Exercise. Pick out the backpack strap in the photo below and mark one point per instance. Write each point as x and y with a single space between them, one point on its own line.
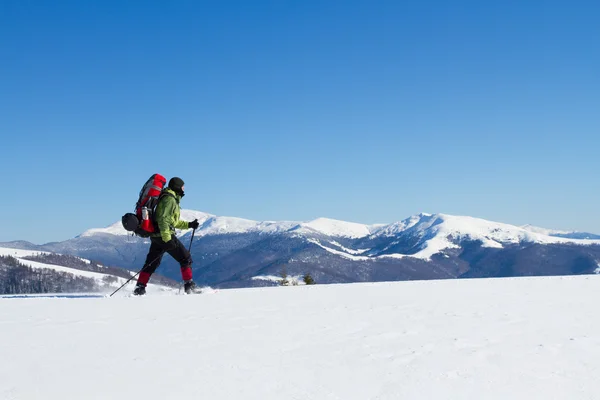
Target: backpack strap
165 194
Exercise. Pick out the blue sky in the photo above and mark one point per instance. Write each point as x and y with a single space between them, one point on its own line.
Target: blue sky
367 111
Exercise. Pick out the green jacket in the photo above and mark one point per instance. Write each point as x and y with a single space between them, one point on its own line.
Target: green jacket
167 215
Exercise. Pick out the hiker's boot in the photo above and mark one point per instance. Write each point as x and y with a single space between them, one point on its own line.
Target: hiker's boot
190 287
139 290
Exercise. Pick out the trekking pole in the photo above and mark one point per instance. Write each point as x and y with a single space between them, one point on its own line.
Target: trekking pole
128 280
193 233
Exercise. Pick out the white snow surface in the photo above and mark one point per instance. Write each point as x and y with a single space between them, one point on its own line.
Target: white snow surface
524 338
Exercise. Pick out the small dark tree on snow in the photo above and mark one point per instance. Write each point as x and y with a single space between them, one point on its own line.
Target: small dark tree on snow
309 279
284 277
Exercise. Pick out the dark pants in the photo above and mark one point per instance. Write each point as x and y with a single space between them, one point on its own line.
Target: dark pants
157 249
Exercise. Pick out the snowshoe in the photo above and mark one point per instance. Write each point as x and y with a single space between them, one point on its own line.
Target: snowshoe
190 287
139 290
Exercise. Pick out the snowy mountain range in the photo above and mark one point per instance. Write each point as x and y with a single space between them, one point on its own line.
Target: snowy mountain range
234 252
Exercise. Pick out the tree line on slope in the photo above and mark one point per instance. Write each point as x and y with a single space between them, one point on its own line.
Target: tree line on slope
93 266
18 278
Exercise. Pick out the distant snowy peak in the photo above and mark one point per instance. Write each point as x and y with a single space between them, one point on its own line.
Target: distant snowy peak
336 228
423 220
329 227
492 234
230 225
562 234
114 229
190 215
544 231
435 233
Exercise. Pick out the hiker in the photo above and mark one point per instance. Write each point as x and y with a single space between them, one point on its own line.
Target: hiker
164 240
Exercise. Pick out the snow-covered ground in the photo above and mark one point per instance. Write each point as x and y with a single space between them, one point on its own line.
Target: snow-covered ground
527 338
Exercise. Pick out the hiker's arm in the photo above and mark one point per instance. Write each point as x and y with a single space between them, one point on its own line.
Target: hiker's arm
181 224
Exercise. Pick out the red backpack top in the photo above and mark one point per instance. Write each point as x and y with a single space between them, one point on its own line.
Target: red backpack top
144 208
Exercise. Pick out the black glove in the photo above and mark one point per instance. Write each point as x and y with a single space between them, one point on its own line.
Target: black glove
170 245
194 224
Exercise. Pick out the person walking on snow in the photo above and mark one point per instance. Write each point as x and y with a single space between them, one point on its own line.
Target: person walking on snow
164 240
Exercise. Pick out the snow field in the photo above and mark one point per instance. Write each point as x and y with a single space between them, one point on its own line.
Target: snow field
525 338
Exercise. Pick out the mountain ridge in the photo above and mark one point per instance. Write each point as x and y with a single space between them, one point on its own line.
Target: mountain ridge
231 251
339 228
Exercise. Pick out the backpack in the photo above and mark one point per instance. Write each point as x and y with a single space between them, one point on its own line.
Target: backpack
142 222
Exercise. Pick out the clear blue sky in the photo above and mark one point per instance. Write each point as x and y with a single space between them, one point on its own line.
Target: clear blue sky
367 111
